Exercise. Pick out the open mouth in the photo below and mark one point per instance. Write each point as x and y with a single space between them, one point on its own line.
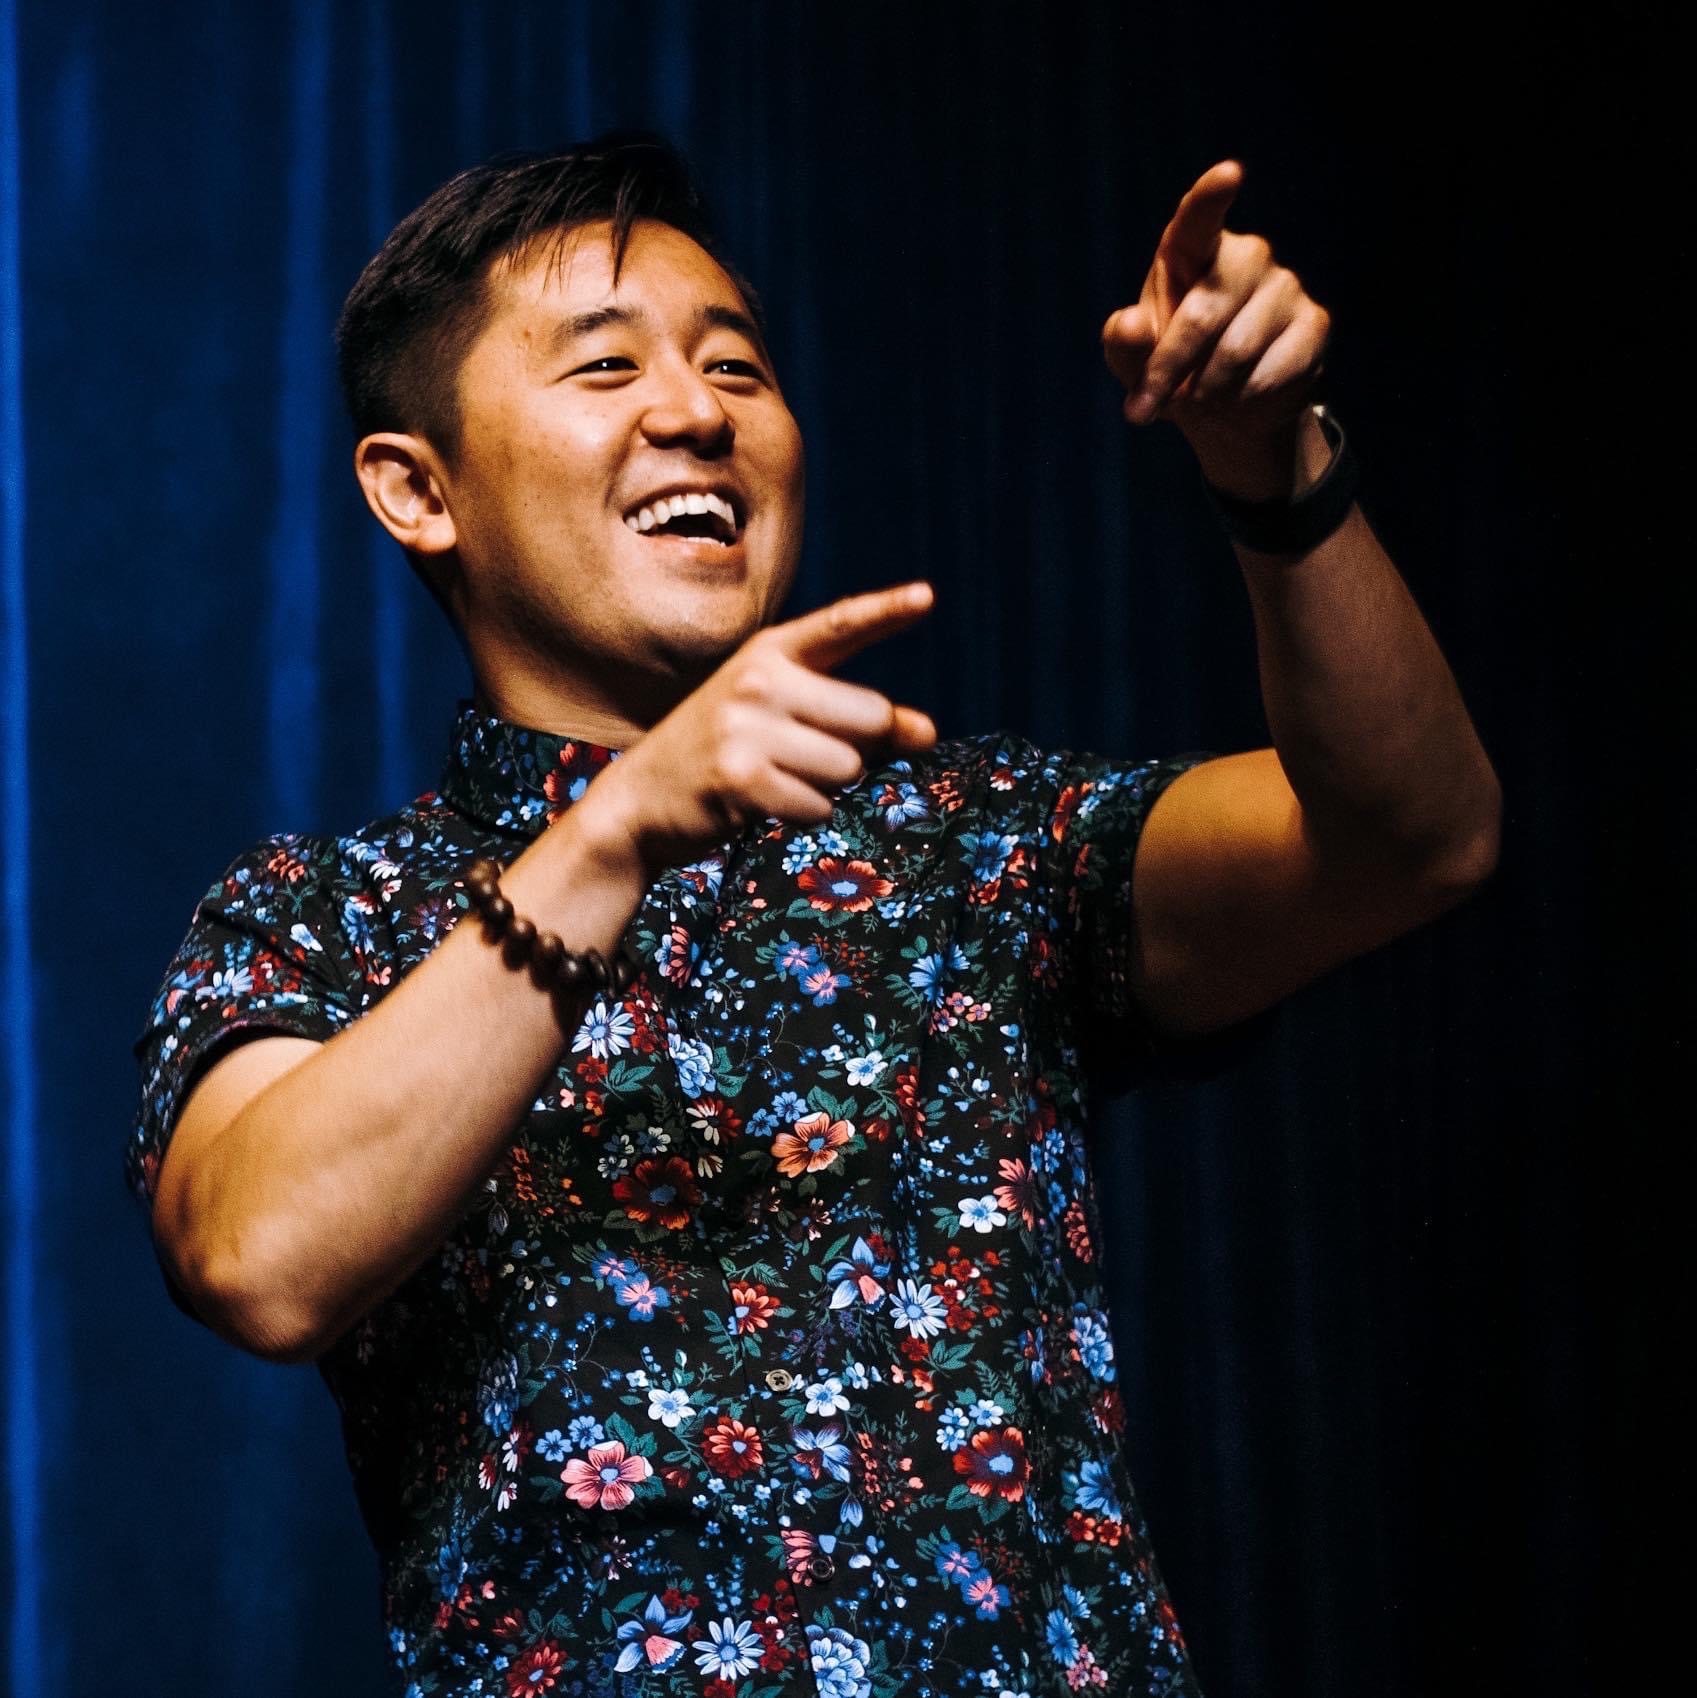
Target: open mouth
703 515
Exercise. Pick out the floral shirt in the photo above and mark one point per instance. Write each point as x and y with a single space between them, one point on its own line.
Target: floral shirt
772 1357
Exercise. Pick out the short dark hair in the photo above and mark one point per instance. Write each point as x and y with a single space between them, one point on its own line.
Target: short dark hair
418 306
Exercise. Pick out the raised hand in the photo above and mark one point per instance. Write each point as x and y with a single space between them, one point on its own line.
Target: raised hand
1221 341
769 735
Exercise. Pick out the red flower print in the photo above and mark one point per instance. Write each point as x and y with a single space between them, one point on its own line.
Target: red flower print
608 1479
730 1448
714 1120
1077 1231
812 1145
285 866
662 1189
1093 1529
518 1163
835 886
994 1464
1018 1192
578 761
534 1670
755 1306
677 959
906 1082
1066 805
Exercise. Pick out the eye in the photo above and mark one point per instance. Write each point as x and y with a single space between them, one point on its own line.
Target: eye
738 368
608 362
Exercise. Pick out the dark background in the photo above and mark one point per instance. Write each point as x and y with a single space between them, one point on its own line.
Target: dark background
1387 1295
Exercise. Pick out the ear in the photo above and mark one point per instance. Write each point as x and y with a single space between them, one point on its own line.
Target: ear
404 483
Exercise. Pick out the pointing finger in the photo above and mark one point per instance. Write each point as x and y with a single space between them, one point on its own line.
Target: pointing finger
1190 240
829 635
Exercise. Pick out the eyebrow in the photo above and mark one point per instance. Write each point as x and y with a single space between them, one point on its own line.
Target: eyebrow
569 330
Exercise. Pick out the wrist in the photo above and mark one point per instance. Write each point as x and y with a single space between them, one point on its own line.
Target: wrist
582 878
1278 463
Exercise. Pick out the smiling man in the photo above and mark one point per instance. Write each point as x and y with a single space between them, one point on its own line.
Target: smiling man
668 1136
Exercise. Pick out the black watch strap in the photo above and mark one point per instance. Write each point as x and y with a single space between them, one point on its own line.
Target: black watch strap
1294 527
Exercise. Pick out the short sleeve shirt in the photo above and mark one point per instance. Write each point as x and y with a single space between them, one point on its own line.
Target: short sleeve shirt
772 1356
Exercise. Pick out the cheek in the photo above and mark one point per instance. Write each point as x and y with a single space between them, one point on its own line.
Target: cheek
555 471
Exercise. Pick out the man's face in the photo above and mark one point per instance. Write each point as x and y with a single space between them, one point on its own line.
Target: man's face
583 403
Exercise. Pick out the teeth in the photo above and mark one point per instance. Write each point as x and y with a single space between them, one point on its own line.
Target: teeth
674 506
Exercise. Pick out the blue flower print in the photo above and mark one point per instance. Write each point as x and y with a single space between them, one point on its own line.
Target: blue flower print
585 1431
840 1662
694 1062
988 853
606 1030
731 1649
1095 1346
1062 1640
859 1277
650 1641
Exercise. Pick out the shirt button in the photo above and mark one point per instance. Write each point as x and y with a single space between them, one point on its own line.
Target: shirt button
821 1566
780 1379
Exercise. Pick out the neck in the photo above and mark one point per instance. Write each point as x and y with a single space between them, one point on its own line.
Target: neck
557 705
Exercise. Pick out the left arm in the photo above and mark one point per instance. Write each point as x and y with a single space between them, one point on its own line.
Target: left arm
1376 808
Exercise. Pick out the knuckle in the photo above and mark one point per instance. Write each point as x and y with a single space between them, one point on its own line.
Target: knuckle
754 680
726 724
738 766
1197 312
1233 349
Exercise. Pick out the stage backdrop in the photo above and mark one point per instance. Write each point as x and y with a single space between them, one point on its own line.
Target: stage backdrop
1378 1293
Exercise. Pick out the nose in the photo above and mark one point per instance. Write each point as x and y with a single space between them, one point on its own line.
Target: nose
685 407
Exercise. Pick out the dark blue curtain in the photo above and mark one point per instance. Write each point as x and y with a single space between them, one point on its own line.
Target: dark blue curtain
1382 1292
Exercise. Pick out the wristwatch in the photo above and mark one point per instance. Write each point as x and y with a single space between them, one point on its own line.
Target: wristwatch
1294 527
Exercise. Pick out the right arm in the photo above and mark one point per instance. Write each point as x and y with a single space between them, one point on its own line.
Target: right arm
305 1182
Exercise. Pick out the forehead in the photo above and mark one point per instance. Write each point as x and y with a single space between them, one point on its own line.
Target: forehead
540 289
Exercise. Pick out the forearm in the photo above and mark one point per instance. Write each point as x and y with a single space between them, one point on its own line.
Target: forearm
1368 721
341 1177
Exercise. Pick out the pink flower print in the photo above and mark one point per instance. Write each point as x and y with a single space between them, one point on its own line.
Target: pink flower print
607 1479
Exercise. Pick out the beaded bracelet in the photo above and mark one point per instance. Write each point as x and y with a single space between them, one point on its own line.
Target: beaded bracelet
551 963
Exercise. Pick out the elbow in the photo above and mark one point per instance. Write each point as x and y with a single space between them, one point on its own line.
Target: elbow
243 1308
1469 858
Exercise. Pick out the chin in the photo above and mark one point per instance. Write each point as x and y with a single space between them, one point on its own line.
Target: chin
695 650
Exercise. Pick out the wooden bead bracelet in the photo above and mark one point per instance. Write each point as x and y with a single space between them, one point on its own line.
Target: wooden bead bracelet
550 962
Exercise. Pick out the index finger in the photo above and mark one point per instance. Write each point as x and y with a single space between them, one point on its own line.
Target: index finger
832 633
1193 235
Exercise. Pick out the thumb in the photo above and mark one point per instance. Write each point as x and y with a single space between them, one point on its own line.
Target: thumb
1128 339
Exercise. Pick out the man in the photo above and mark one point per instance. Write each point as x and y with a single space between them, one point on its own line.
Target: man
738 1329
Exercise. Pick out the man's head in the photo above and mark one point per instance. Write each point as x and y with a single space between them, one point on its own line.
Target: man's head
540 350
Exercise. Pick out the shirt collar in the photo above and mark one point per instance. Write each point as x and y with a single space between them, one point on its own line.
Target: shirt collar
513 777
